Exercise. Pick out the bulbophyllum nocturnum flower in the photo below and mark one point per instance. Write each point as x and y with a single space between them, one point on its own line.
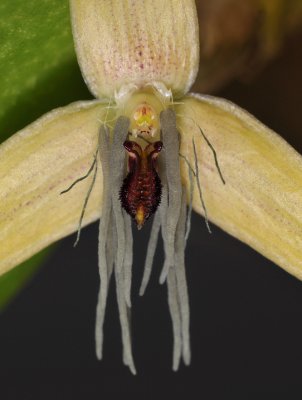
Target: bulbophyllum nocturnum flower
147 147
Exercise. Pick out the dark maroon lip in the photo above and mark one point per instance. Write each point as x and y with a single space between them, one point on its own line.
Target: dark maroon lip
141 191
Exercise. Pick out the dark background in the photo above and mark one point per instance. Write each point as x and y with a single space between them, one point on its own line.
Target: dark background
246 313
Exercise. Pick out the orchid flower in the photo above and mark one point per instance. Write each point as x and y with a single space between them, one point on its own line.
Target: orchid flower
147 147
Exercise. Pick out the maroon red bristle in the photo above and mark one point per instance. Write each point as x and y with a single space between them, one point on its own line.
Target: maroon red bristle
141 189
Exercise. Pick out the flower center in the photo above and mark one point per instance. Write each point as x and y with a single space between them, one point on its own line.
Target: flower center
144 120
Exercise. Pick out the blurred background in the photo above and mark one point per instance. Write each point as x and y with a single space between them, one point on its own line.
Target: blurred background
246 313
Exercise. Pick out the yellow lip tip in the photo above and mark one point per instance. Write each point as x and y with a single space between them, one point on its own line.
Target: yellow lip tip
140 217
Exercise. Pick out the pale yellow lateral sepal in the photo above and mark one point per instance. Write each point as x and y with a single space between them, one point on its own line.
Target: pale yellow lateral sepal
121 43
261 202
36 164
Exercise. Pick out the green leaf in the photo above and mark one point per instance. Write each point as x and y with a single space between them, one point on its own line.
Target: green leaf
38 72
13 281
38 68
